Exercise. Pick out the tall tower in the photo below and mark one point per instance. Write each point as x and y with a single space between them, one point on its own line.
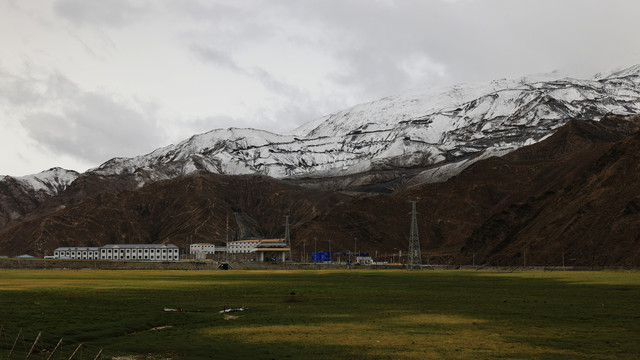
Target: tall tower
287 236
415 259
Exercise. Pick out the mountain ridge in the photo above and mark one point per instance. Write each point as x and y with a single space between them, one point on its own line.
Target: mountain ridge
426 128
477 166
497 198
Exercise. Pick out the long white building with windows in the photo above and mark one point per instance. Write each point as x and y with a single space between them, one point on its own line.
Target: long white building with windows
151 252
79 253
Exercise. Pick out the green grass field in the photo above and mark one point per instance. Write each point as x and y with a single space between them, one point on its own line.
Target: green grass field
377 314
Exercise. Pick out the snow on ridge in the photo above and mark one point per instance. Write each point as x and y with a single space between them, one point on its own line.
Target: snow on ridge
631 71
447 123
51 181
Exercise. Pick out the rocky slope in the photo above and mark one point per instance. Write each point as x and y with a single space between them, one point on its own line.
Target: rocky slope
591 218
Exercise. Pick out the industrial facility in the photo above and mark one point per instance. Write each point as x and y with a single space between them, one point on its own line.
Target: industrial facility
251 249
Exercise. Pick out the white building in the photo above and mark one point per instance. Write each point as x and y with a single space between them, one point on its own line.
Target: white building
153 252
77 253
206 248
260 249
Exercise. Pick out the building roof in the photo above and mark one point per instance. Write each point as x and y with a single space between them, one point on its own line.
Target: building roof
272 249
271 245
255 241
138 246
79 248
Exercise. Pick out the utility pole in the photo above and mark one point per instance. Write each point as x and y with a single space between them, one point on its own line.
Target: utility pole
414 258
287 235
329 241
226 252
304 250
355 249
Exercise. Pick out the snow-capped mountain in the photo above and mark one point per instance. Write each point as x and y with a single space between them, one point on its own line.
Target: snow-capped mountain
432 128
440 130
49 182
21 195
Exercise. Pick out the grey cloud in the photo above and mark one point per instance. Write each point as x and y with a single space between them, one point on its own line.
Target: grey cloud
223 60
64 119
468 40
202 125
299 106
95 127
215 57
16 90
206 11
100 12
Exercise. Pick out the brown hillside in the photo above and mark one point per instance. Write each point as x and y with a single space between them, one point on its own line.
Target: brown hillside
592 220
193 208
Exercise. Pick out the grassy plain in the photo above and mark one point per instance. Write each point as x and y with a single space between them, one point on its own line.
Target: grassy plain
374 314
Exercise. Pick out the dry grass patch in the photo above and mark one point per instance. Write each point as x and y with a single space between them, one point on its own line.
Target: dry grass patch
462 338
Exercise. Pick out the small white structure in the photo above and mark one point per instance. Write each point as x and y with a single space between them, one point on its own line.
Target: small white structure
77 253
272 251
153 252
206 248
365 260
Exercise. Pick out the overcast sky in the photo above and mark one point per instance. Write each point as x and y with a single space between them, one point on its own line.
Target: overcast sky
83 81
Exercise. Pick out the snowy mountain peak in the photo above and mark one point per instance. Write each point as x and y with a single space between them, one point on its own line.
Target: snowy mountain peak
632 71
439 129
426 128
51 182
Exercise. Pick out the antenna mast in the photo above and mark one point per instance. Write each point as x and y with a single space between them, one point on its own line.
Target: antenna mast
415 259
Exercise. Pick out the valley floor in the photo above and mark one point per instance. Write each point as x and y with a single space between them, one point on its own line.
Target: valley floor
329 314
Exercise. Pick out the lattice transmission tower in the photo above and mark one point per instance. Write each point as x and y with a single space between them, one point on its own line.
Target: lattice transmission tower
415 259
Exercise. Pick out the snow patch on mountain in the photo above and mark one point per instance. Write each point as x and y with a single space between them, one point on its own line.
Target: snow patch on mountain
51 182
